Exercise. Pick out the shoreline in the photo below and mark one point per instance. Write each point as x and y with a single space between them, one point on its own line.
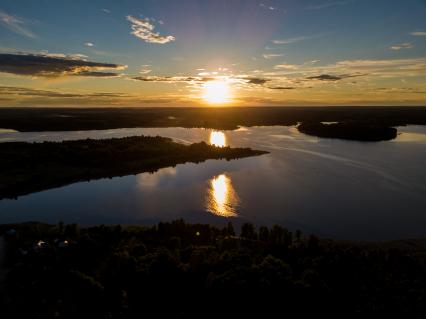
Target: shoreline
32 167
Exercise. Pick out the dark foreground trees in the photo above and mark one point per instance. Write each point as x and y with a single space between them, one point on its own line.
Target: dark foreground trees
177 270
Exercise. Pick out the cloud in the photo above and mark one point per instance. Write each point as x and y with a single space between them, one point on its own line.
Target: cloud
282 88
291 40
257 81
18 96
98 74
419 33
54 65
145 69
9 90
89 44
389 68
15 24
328 77
401 46
325 77
286 66
380 63
271 8
309 74
173 79
21 91
199 80
144 30
402 90
329 4
106 11
272 56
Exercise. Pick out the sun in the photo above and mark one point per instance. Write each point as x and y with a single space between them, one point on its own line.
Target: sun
216 92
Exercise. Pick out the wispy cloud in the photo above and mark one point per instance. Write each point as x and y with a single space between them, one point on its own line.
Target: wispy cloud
197 81
402 90
419 33
21 96
392 68
329 4
257 81
145 69
285 66
36 97
144 29
106 11
282 88
291 40
309 74
401 46
173 79
400 63
21 91
271 8
55 65
89 44
272 56
328 77
15 24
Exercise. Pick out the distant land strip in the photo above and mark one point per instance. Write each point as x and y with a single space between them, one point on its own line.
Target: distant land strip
349 131
73 119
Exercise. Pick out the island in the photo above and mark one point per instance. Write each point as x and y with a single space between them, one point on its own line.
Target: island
349 131
32 167
180 270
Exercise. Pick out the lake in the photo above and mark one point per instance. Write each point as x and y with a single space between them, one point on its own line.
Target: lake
328 187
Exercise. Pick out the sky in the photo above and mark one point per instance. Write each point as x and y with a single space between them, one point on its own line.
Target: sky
157 53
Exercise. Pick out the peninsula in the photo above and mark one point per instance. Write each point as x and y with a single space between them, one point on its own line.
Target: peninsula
32 167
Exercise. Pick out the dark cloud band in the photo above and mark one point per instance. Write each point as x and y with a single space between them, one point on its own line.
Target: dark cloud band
54 66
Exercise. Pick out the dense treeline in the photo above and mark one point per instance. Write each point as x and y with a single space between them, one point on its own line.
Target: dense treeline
178 270
68 119
349 131
31 167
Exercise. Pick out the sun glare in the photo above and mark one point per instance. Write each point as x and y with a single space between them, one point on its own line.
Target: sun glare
218 139
216 92
222 199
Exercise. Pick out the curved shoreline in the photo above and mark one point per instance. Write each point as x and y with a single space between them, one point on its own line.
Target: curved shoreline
33 167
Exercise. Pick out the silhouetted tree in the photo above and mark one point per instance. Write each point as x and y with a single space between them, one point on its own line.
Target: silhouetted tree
264 234
298 235
248 231
229 230
135 272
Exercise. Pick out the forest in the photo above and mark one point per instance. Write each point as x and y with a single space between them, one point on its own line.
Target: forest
180 270
349 131
31 167
227 118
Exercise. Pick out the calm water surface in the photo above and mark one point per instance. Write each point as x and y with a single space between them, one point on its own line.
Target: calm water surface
333 188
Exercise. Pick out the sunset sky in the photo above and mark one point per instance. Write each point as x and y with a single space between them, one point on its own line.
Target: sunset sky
218 52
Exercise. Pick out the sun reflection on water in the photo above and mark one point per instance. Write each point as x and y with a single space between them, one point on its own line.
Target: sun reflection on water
218 139
222 199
